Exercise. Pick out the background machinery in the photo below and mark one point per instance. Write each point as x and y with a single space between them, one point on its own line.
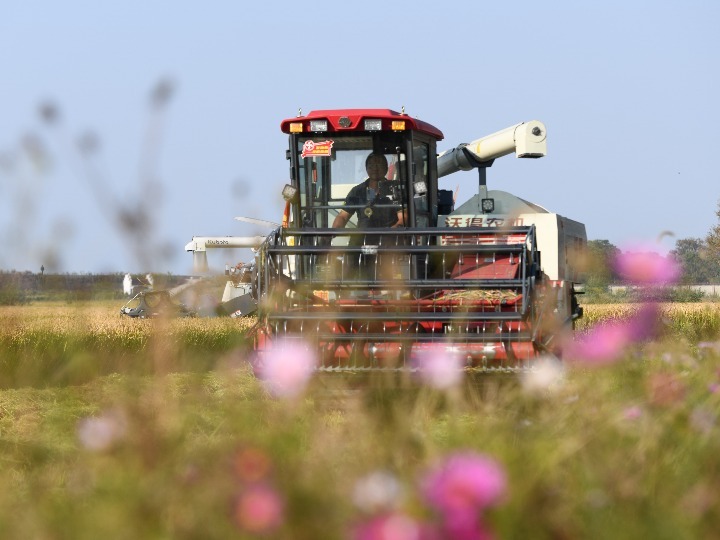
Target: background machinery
493 280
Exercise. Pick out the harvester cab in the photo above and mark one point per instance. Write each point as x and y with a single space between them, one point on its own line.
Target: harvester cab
375 272
325 169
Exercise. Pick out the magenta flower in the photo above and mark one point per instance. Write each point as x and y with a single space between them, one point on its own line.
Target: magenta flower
286 367
465 530
439 368
646 267
259 509
463 485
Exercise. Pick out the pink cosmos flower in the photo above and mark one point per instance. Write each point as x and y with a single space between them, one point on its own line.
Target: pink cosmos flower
643 266
603 345
465 530
632 413
438 367
392 526
286 367
606 343
464 484
251 464
259 509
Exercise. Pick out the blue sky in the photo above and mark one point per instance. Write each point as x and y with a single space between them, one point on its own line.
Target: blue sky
628 92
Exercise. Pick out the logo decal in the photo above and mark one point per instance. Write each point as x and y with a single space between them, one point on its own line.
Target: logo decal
320 148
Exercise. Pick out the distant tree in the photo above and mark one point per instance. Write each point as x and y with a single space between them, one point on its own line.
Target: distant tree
712 240
693 256
601 254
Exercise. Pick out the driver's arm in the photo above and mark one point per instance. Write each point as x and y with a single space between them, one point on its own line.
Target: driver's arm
401 218
341 219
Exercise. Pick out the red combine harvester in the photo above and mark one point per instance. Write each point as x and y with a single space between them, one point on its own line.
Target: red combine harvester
393 270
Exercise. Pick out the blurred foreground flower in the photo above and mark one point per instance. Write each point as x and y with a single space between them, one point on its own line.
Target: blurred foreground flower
606 343
259 509
709 346
393 526
703 420
643 266
665 389
100 433
633 412
251 464
547 374
441 369
376 492
286 367
463 485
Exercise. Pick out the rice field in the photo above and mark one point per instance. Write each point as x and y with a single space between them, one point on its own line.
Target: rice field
119 428
691 322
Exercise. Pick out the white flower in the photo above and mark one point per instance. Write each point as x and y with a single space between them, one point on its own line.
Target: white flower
286 367
547 374
377 491
100 433
441 369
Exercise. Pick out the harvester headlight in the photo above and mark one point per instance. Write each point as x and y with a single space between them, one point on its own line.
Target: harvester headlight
373 124
420 187
488 206
296 127
398 125
318 125
289 192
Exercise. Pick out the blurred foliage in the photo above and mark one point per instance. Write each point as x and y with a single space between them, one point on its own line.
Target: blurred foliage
693 254
698 267
600 274
712 240
12 296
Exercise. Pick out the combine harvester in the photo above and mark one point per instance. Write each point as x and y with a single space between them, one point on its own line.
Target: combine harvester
469 280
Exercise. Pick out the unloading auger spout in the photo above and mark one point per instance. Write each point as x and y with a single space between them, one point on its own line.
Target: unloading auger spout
525 140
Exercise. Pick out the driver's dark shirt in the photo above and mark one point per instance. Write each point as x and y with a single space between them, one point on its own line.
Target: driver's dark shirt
358 199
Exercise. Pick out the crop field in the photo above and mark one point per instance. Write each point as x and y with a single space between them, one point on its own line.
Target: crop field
119 428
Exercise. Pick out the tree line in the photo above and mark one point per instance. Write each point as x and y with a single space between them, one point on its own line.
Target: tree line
699 259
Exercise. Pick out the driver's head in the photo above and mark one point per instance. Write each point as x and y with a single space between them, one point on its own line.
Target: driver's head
376 165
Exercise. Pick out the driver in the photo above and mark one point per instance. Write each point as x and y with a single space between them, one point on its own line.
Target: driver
368 195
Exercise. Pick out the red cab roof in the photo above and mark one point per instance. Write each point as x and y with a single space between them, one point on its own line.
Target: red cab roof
352 120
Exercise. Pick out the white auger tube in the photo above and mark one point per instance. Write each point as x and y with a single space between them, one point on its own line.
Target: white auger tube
526 140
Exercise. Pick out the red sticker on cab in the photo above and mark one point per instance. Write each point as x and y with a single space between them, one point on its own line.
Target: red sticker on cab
320 148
